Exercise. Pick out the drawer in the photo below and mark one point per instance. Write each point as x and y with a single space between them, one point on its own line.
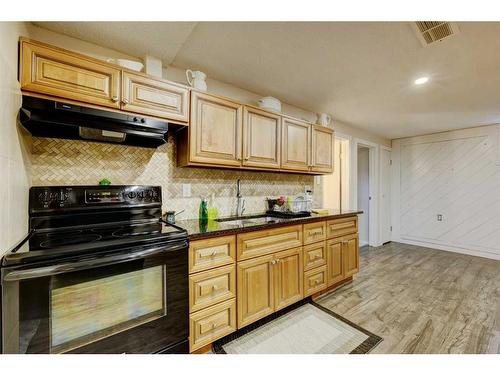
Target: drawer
212 323
314 255
314 232
314 280
211 253
262 242
341 227
210 287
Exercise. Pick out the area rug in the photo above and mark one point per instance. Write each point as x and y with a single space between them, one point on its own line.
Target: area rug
306 328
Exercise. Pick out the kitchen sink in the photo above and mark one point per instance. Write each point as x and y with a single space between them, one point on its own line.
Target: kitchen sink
241 221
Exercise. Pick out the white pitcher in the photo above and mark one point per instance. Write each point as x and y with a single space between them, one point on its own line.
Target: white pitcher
324 119
196 79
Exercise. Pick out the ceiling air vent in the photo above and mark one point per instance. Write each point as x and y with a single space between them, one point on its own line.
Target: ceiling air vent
429 32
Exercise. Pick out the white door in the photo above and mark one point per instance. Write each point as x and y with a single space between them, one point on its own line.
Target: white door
385 194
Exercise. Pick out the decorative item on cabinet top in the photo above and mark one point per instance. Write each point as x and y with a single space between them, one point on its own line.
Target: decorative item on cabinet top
54 73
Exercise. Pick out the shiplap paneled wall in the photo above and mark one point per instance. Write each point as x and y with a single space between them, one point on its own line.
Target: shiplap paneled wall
454 174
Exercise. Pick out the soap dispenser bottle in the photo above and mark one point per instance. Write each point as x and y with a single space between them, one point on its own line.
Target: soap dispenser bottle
203 214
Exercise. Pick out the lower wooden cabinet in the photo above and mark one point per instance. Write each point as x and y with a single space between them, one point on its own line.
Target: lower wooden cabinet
211 324
335 266
350 254
255 289
342 258
315 280
237 280
288 277
267 284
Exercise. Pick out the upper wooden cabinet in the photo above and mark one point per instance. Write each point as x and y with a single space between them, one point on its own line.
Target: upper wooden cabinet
49 71
215 131
155 97
261 138
322 149
55 72
295 145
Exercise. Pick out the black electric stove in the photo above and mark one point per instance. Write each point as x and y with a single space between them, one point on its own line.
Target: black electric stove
98 272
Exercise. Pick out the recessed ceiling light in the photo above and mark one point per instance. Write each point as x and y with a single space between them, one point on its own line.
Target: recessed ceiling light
421 80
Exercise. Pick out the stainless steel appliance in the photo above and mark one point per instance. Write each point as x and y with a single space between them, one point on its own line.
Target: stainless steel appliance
99 272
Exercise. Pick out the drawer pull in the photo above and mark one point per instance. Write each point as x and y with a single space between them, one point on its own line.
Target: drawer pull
214 288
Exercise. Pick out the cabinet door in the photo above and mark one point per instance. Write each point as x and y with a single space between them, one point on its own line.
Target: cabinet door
215 130
154 97
335 266
288 277
322 149
64 74
255 289
350 255
261 138
295 145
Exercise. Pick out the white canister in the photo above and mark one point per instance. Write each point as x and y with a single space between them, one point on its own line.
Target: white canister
196 79
270 103
324 119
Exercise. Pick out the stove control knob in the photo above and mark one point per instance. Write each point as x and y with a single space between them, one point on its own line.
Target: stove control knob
140 195
132 195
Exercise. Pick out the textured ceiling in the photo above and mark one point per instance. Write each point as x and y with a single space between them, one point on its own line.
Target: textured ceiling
361 73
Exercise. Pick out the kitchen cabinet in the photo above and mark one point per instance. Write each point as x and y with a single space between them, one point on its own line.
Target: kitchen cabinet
62 75
210 324
275 268
262 242
255 289
315 280
214 134
288 277
342 258
322 149
350 255
211 253
52 71
341 227
212 290
154 97
335 265
314 255
267 284
261 139
295 145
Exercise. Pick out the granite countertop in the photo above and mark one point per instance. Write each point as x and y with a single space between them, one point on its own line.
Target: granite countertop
212 228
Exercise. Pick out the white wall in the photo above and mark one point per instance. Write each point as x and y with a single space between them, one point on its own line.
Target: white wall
455 174
363 193
14 143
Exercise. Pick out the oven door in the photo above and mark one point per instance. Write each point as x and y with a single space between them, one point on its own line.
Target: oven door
134 301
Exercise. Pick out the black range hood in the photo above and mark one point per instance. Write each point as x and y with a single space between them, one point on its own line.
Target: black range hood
52 119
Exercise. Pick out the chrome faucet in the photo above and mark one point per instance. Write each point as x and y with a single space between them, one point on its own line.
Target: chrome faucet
240 203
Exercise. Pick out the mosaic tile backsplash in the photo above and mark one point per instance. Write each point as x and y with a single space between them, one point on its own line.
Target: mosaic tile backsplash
69 162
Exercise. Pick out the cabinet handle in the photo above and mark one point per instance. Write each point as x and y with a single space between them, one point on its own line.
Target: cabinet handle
214 287
114 99
125 101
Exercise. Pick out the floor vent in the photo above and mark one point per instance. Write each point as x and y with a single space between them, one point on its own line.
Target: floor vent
429 32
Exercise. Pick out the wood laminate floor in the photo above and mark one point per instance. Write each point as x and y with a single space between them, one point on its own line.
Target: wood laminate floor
422 300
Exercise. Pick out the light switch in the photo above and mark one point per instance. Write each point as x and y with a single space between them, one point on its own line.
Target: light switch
186 190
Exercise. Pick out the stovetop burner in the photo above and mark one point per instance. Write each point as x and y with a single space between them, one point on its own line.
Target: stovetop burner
77 238
65 240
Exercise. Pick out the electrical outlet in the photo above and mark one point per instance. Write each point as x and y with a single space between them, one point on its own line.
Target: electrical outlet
439 217
186 190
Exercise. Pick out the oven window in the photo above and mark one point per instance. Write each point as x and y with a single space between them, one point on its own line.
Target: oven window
86 312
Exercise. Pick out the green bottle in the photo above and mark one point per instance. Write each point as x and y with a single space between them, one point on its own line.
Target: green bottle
203 210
